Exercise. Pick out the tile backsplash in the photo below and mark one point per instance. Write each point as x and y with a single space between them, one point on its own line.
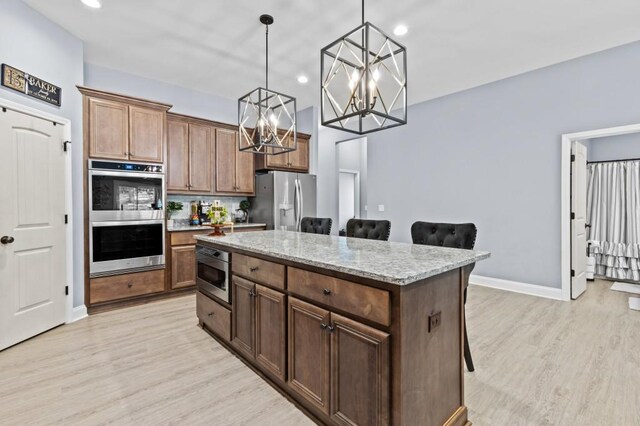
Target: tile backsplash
231 203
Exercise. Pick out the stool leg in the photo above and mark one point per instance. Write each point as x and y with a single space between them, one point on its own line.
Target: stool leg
467 351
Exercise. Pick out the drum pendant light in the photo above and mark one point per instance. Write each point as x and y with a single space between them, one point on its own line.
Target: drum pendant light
363 81
266 118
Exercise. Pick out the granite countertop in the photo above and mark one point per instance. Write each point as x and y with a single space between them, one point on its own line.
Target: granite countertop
182 227
391 262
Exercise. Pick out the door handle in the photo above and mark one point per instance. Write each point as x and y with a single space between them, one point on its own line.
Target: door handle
7 240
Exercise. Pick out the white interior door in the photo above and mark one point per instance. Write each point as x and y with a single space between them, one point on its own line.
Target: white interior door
578 219
348 197
32 227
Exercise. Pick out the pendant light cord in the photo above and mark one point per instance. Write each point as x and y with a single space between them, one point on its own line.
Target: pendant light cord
266 36
362 12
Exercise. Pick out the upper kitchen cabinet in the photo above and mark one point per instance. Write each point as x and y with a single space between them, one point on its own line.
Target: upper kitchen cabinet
190 165
295 161
234 168
119 127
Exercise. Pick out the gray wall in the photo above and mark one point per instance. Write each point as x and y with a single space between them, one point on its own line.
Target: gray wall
491 155
621 147
30 42
352 155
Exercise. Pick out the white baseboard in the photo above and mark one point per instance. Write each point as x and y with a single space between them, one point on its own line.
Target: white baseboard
516 287
78 313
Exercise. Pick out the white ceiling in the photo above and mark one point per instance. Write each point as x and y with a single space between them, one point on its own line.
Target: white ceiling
218 46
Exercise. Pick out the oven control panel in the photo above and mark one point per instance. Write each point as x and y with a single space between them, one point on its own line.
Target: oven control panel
125 167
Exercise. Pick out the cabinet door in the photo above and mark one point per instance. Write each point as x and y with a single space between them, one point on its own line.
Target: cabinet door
245 172
108 129
226 148
200 170
271 329
359 373
183 266
309 359
280 161
146 134
243 301
177 156
299 159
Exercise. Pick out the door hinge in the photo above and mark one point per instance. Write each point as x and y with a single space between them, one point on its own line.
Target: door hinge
64 145
573 215
66 290
573 273
66 219
573 157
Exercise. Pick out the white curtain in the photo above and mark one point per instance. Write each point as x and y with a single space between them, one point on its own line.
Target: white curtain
613 211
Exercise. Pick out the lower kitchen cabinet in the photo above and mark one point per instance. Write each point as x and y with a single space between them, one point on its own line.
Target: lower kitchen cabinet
212 315
359 373
271 330
309 353
259 325
106 289
183 270
243 337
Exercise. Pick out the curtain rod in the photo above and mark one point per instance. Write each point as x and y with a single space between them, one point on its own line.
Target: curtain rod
613 161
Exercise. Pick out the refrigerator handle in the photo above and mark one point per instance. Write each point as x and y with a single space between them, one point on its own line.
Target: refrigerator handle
301 209
295 203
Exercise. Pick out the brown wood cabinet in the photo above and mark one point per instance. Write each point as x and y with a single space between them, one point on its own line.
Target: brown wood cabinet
297 160
120 127
234 168
107 289
271 330
359 373
309 353
243 334
214 316
190 152
183 266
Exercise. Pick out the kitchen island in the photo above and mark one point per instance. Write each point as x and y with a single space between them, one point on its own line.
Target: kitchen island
353 331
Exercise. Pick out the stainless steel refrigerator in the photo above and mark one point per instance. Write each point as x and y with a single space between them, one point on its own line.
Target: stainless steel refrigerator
283 199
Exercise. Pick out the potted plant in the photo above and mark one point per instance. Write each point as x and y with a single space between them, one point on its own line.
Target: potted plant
218 216
172 207
244 208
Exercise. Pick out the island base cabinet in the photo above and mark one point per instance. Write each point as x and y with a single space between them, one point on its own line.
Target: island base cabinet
359 373
244 330
271 330
309 353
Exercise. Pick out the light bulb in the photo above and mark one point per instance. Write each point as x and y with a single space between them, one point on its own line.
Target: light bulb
376 74
274 120
355 75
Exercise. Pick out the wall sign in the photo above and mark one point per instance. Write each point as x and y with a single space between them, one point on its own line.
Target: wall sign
32 86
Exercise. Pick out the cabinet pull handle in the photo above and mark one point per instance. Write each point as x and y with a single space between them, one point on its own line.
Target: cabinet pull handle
252 293
210 314
326 292
331 328
254 268
129 284
323 325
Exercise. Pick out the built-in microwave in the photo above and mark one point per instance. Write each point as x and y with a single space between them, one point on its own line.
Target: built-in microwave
213 272
125 191
117 247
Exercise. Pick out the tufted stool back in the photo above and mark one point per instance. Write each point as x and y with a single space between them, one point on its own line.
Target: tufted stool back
369 229
316 225
455 235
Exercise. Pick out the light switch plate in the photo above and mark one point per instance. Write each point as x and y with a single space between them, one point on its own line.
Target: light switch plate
380 207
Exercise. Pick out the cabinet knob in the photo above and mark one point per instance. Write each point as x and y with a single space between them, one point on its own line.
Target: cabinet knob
326 292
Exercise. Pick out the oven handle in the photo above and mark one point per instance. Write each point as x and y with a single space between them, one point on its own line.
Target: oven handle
127 223
146 175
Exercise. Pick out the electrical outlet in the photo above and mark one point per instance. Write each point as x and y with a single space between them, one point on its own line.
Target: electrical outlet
380 207
434 321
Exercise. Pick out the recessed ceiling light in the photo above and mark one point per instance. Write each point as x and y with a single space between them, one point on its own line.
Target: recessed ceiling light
400 30
303 79
94 4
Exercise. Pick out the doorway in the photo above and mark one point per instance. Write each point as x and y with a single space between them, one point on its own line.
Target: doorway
35 233
573 206
351 161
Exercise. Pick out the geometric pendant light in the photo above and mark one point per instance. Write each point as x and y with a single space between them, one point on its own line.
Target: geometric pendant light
266 118
363 81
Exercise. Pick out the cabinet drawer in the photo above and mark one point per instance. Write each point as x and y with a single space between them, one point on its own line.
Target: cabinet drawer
366 302
104 289
216 317
258 270
179 238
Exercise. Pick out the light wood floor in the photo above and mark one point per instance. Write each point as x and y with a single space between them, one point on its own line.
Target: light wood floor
538 362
